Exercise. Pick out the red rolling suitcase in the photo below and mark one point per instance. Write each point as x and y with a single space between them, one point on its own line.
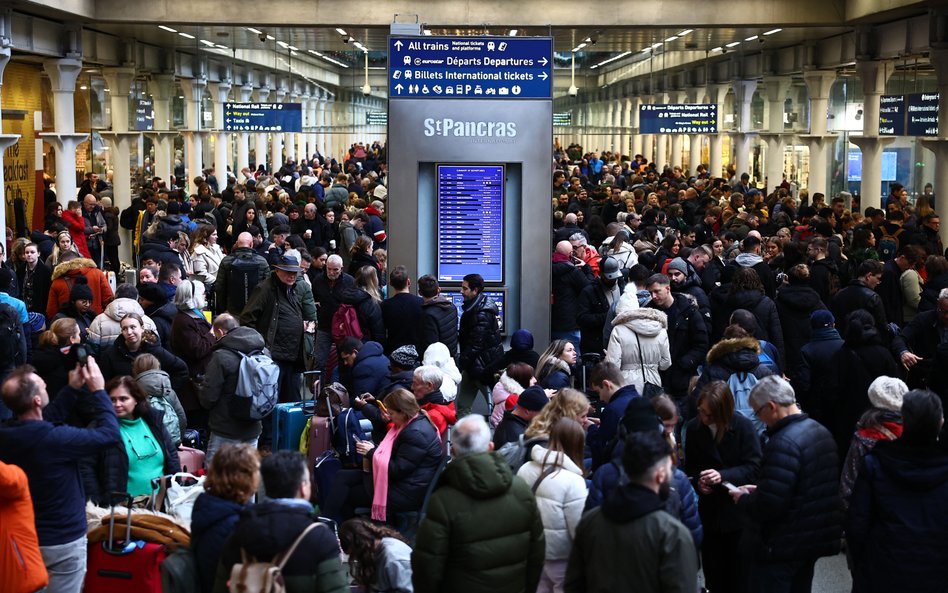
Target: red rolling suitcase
122 565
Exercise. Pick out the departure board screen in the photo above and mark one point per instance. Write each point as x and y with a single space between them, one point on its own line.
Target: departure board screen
470 222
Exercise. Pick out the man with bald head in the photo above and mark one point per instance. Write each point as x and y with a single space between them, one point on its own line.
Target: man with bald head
239 273
570 227
570 276
328 289
310 227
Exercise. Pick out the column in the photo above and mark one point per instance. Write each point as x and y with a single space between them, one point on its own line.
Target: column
329 121
743 94
313 118
302 146
939 144
637 146
161 87
626 125
613 117
6 141
716 95
661 140
120 144
776 88
818 84
64 140
243 138
321 124
220 91
874 75
290 137
193 134
260 138
276 138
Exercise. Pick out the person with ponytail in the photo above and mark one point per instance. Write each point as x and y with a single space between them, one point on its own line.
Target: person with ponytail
51 359
379 556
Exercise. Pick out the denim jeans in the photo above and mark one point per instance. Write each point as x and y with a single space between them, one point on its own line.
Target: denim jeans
66 565
216 441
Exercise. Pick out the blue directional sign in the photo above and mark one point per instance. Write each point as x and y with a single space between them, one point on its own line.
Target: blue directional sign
263 117
470 68
144 115
922 111
679 118
892 115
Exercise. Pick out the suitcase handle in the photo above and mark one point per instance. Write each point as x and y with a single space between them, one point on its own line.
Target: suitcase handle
115 498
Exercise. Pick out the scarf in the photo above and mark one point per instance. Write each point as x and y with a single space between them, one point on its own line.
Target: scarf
380 459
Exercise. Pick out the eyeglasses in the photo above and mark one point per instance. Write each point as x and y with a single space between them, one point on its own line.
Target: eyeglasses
151 449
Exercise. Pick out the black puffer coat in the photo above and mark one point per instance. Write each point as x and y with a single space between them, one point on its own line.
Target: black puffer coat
795 304
796 510
479 336
416 455
724 303
568 282
688 342
439 323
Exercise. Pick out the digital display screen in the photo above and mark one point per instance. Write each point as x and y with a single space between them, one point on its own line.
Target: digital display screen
922 111
890 161
498 296
892 115
470 222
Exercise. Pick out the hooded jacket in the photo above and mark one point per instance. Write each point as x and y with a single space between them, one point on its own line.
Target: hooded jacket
21 564
461 546
212 522
504 388
639 343
206 260
724 303
107 326
438 355
63 278
823 276
796 509
561 497
438 323
220 384
631 544
688 342
735 355
756 263
157 383
479 336
440 410
370 370
897 520
795 303
267 529
568 282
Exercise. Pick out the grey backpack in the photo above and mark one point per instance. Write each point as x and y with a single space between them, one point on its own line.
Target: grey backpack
258 386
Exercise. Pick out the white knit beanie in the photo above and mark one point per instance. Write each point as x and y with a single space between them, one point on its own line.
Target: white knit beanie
886 393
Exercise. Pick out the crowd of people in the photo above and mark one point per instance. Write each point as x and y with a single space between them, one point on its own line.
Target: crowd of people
736 381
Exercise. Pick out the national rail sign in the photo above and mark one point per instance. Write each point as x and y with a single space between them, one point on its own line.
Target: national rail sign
678 118
470 68
892 115
263 117
921 114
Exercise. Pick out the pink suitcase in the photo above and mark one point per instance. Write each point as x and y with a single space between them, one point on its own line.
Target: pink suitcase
192 460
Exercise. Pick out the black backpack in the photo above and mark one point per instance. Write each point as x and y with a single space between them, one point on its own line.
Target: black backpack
12 338
243 276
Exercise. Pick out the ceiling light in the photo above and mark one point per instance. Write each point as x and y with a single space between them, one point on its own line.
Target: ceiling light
219 46
83 88
733 43
207 43
108 90
672 38
579 47
168 29
657 45
751 38
254 31
283 44
294 48
719 48
341 32
685 32
293 53
594 66
271 37
314 52
185 35
513 32
336 62
772 31
613 59
588 40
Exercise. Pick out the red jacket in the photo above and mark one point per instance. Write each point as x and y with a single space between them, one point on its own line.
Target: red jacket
21 564
76 225
63 277
442 415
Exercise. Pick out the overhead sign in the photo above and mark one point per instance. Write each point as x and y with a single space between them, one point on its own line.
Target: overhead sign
922 114
892 115
563 119
376 118
263 117
678 118
470 68
144 115
470 222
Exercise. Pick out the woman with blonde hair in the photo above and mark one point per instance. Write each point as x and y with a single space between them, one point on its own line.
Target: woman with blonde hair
63 245
565 403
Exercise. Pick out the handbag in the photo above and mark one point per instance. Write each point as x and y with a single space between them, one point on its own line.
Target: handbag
177 493
649 390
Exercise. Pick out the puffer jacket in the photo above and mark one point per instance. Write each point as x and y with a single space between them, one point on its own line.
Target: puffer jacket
724 303
462 548
735 355
370 370
561 497
479 336
220 384
504 388
555 374
688 343
416 456
568 282
157 383
799 476
21 563
639 344
212 522
206 260
795 304
440 410
107 326
63 278
439 323
368 311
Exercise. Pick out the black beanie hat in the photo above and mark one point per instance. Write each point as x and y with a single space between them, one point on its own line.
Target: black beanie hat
80 290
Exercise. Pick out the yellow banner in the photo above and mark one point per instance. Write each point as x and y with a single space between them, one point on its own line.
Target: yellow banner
22 96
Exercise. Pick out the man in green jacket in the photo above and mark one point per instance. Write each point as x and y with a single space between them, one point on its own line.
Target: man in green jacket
483 532
630 543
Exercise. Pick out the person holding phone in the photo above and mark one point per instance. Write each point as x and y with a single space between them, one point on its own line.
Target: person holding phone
721 449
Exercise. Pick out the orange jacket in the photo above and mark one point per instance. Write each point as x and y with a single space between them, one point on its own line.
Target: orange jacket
21 564
63 276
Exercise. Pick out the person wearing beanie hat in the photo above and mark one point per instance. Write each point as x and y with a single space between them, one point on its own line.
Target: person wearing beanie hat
521 352
522 339
796 303
678 264
79 307
65 276
405 357
682 282
529 403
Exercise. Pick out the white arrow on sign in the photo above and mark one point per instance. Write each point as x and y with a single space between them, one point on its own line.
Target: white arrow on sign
544 61
544 75
398 88
398 45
